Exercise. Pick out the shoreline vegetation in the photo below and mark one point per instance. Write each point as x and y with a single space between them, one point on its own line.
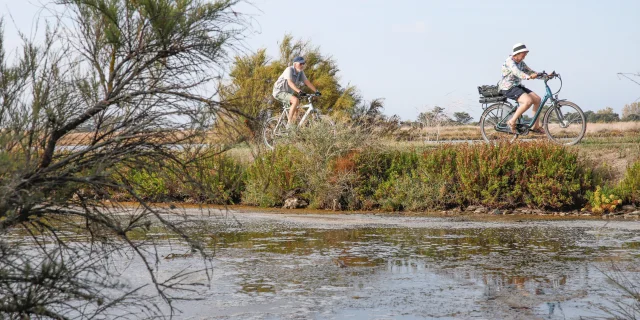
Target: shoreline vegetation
472 213
355 171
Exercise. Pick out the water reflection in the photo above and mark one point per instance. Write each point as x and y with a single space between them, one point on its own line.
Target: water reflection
281 272
532 269
514 249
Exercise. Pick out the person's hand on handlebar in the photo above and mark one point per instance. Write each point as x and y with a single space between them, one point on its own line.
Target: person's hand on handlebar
301 94
533 75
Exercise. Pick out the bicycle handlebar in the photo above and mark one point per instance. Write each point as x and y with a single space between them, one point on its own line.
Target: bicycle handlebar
303 95
548 76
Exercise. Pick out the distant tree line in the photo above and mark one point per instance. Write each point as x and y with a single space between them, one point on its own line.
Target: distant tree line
630 112
438 116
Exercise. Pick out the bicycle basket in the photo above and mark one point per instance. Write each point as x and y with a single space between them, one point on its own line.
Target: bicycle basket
489 91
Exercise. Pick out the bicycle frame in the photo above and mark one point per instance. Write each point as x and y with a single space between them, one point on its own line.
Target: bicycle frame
309 107
275 127
549 96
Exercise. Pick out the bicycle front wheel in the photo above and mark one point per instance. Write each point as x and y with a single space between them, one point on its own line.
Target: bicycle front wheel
273 130
493 124
319 120
565 123
323 120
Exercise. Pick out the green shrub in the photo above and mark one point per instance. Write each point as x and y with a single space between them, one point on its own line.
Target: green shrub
540 175
413 191
306 161
490 175
556 177
371 170
376 171
407 183
211 178
217 179
629 187
271 176
321 147
603 199
148 185
438 176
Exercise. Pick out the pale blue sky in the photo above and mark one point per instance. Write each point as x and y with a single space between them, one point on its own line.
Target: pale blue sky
417 54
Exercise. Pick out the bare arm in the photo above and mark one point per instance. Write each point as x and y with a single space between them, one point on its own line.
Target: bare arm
308 84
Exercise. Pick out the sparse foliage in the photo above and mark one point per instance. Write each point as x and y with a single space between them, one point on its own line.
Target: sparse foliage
462 117
116 85
434 118
369 117
631 112
626 304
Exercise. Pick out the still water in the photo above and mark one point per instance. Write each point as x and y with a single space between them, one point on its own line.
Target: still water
277 267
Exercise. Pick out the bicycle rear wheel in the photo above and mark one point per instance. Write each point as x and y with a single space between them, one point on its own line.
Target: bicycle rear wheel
494 125
273 130
565 123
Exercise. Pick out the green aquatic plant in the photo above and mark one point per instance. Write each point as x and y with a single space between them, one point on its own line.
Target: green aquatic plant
603 200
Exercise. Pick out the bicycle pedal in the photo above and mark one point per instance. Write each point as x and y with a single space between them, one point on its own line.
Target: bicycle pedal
522 130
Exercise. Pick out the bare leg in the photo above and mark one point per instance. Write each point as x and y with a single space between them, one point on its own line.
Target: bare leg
525 102
293 110
536 105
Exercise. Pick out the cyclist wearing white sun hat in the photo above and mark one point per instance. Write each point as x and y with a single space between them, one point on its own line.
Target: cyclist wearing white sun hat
514 70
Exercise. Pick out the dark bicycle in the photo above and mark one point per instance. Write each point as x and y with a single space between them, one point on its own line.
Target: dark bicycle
563 121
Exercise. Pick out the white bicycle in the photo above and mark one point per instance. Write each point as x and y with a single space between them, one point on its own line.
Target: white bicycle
275 128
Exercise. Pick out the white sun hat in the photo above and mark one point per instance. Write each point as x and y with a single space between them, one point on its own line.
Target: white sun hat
519 47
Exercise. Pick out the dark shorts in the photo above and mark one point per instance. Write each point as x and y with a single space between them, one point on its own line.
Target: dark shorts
515 92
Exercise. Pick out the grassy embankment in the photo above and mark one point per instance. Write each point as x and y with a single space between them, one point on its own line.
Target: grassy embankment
353 171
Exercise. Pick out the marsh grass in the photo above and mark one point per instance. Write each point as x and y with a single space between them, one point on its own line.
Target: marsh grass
302 165
344 171
346 168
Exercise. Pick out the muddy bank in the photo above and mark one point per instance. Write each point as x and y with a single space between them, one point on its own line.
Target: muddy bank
321 219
